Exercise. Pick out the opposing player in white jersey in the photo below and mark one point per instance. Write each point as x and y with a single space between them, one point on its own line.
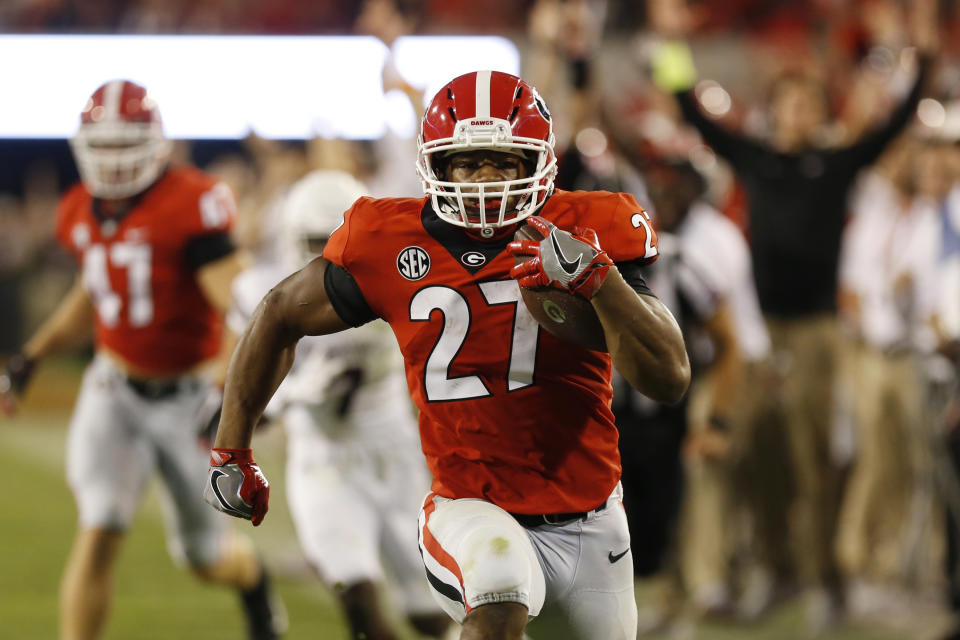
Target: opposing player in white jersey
355 473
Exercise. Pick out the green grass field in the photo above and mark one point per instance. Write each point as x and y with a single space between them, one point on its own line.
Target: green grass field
154 600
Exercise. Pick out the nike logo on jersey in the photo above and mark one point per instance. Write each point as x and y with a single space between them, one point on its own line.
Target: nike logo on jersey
613 558
567 265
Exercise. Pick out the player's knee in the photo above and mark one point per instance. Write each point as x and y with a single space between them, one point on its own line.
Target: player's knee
99 547
496 565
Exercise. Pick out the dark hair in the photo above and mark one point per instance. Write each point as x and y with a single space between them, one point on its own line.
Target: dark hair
798 78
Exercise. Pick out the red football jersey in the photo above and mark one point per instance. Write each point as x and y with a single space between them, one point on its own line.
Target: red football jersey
149 307
508 412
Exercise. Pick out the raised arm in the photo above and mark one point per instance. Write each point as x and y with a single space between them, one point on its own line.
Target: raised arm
674 73
869 148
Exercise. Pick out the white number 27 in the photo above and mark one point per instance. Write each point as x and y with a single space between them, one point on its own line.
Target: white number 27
456 324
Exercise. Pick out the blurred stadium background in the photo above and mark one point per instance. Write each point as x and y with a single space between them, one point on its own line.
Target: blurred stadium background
260 146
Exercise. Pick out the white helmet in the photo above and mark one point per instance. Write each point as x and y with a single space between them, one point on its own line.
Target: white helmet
313 209
120 147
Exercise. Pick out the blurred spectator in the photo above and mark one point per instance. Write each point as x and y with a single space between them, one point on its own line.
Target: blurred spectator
15 247
949 330
50 271
388 172
738 493
797 194
664 448
276 165
889 287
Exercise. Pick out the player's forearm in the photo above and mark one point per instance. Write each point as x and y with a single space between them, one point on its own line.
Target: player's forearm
643 339
262 358
69 326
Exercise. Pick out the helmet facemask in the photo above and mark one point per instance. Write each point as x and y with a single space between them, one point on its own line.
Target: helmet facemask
120 159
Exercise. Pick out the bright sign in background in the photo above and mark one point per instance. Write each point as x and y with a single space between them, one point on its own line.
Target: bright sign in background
288 87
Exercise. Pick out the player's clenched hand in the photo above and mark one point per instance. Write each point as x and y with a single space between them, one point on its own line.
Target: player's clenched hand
236 486
571 261
13 382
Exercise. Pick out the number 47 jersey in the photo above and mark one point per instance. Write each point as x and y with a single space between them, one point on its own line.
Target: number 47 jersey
140 269
508 412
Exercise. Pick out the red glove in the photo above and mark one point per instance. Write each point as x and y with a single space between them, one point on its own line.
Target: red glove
236 486
573 262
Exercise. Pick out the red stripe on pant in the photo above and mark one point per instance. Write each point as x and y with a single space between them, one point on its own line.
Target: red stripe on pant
437 552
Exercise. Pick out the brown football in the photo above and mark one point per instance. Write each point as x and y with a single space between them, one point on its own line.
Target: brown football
569 317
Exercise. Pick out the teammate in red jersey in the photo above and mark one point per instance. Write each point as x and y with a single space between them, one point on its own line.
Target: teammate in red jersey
156 260
515 424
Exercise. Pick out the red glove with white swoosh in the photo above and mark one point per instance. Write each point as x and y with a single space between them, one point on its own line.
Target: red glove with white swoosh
573 262
236 485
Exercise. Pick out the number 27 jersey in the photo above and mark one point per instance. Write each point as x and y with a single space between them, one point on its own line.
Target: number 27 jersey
508 412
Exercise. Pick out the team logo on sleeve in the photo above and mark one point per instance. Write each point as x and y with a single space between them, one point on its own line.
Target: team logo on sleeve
413 263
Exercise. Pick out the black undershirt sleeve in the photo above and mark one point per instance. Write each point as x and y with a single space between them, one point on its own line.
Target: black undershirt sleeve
345 296
740 151
632 272
207 248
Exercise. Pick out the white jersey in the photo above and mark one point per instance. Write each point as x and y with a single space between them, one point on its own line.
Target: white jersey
949 287
351 383
710 236
890 259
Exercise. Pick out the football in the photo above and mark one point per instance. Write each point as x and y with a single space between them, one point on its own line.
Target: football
568 317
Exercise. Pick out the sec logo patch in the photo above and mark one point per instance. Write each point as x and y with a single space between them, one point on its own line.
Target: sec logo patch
413 263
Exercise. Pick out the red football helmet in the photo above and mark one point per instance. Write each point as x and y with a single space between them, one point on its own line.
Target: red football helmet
487 110
120 147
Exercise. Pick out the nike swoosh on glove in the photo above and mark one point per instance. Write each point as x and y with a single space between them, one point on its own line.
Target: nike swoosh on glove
570 261
236 485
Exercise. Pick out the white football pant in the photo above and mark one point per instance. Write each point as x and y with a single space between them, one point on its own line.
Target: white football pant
118 439
353 505
476 553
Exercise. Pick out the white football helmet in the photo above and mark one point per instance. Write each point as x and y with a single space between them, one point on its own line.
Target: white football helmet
120 147
313 210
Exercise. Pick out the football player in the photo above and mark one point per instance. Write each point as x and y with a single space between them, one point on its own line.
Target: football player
156 262
355 473
515 424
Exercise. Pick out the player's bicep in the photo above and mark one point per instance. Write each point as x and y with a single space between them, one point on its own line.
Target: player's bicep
302 304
